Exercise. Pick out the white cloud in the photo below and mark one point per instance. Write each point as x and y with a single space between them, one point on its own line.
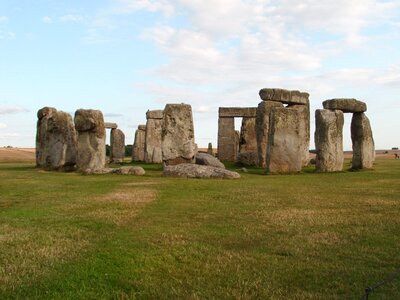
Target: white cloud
3 19
129 6
47 20
11 109
2 125
71 18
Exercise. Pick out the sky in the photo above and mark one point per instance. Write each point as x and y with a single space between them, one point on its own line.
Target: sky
124 57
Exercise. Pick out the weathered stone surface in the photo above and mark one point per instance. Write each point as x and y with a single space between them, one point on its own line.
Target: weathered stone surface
155 114
153 153
138 171
178 144
139 144
237 142
109 125
329 140
208 160
304 131
264 110
210 149
226 139
91 154
284 143
363 142
248 143
248 158
284 96
56 140
117 154
240 112
198 171
345 105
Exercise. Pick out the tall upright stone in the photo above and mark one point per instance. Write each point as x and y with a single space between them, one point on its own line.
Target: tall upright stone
178 144
363 142
139 144
91 155
304 131
248 143
153 153
56 140
226 139
264 110
284 142
329 140
117 153
210 149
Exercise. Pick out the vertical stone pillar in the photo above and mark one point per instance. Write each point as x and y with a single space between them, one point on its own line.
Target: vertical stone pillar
91 154
56 141
139 144
210 149
304 131
226 139
248 142
262 129
363 142
329 140
178 144
284 142
117 153
153 152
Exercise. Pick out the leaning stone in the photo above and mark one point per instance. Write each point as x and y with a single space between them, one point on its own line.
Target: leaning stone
117 154
363 142
284 142
91 152
262 129
198 171
208 160
178 144
345 105
56 141
138 171
329 140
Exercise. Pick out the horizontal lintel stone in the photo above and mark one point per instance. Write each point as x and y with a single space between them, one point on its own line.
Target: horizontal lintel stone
237 112
155 114
284 96
109 125
346 105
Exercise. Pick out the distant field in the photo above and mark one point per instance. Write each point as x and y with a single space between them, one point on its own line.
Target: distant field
17 155
305 236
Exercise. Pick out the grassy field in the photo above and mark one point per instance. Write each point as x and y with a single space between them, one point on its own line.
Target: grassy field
306 236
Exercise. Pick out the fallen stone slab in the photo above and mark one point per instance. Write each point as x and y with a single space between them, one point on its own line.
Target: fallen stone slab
198 171
346 105
138 171
284 96
208 160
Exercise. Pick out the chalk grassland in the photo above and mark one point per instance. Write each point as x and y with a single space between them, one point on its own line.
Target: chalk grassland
17 155
307 236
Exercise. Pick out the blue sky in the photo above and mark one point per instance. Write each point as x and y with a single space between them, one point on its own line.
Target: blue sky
126 56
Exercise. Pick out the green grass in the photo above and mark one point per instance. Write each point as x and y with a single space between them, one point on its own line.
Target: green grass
306 236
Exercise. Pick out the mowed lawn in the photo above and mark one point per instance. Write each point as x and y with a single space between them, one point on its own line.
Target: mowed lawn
305 236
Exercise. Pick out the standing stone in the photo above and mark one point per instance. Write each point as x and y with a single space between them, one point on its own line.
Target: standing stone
262 129
117 153
56 141
139 144
178 144
237 144
363 142
304 131
248 143
153 152
284 142
210 149
226 139
329 140
89 124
